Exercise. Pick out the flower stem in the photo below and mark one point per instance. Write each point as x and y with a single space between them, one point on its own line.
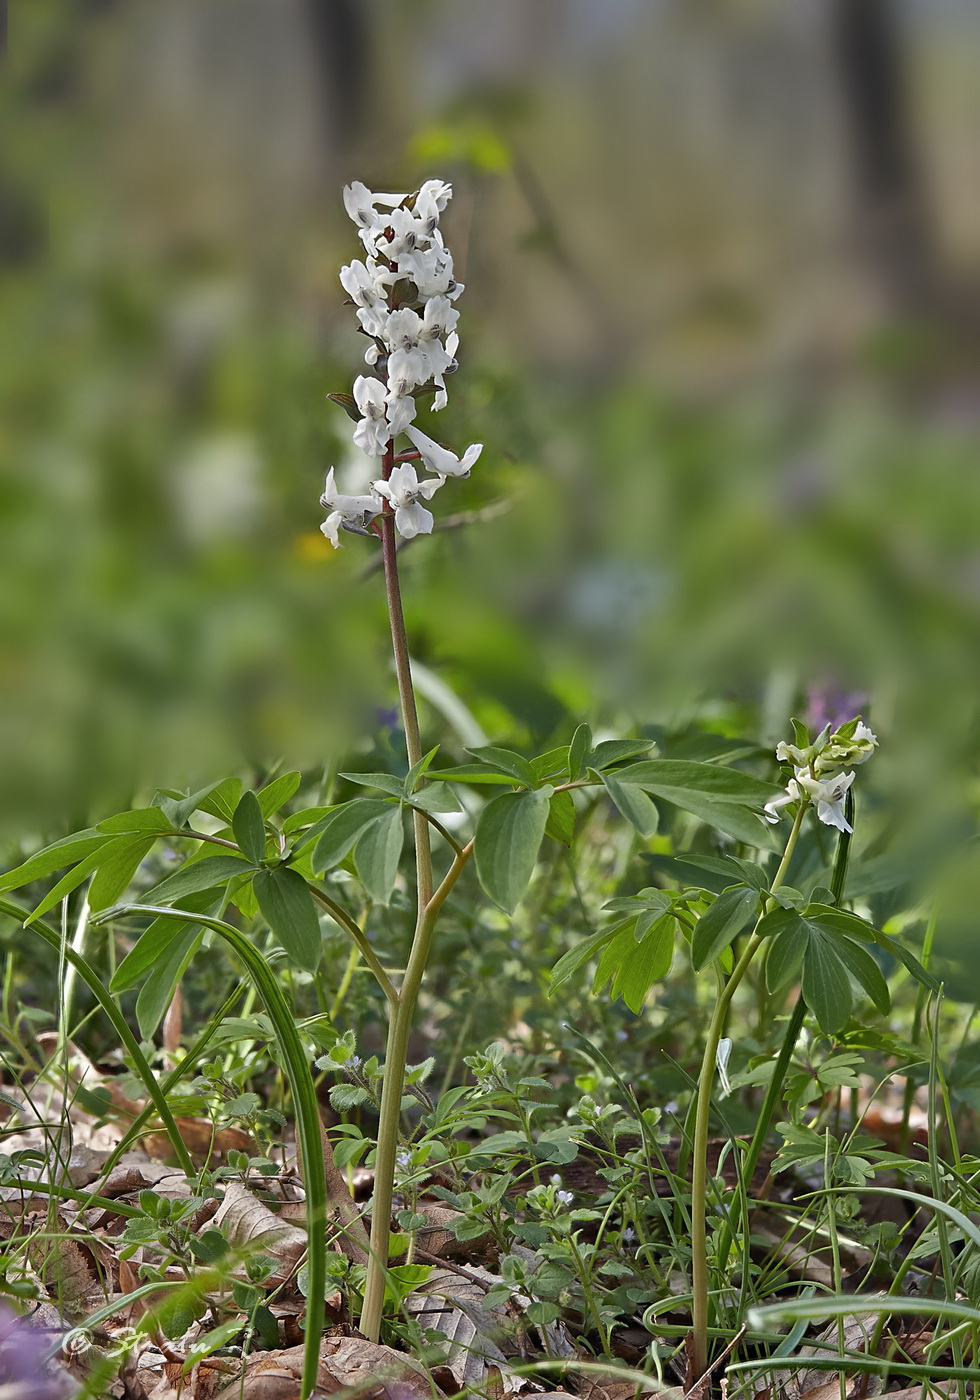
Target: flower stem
401 1007
396 1054
699 1156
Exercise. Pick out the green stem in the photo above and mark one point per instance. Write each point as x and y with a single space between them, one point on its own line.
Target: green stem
359 939
353 958
699 1156
396 1055
793 1026
401 1005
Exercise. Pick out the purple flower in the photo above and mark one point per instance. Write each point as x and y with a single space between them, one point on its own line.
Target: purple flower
827 704
23 1374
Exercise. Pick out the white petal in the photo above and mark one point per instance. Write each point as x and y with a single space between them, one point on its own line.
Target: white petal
413 520
331 528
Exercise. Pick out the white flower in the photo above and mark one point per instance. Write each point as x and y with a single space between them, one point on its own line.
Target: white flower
352 512
430 201
440 459
826 794
844 748
364 283
432 272
438 319
360 205
401 411
372 434
792 794
402 490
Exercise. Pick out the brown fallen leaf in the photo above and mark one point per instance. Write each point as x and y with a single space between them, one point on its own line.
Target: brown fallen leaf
366 1370
245 1220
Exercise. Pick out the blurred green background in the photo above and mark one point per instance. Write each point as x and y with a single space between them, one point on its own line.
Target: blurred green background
720 337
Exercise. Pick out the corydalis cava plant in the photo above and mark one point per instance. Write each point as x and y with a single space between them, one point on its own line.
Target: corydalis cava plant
818 771
403 294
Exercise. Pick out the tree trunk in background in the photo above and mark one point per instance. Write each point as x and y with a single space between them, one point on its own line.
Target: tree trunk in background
342 51
892 219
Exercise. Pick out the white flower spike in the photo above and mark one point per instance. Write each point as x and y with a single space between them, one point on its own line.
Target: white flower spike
403 293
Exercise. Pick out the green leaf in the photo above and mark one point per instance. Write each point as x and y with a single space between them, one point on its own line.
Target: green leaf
156 938
205 874
744 870
720 923
551 766
611 751
634 967
801 735
299 821
378 852
157 991
785 958
68 851
341 827
82 870
435 798
384 782
473 773
506 761
826 985
571 961
561 818
222 799
634 805
578 751
249 828
865 971
274 794
418 770
178 807
117 868
141 819
508 837
288 908
348 403
720 796
909 960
